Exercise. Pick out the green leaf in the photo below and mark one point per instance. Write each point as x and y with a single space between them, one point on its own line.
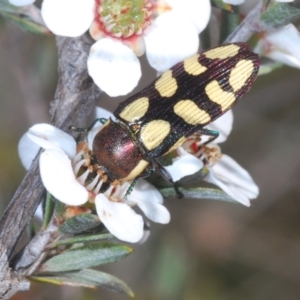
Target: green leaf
59 209
84 239
90 255
79 223
229 22
198 193
49 209
279 14
26 23
223 5
193 179
61 280
26 17
88 278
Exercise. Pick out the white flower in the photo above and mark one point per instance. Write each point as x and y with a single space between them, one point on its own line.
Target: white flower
21 2
223 170
238 2
282 45
59 167
167 31
234 2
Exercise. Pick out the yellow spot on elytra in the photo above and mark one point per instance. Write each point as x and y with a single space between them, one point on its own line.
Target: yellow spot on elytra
166 85
240 74
192 66
191 113
153 133
216 94
139 168
222 52
135 110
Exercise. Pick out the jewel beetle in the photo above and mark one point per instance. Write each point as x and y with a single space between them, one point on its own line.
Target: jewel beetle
179 103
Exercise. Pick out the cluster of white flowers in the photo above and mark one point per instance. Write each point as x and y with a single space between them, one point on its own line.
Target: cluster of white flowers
281 44
59 167
167 31
61 161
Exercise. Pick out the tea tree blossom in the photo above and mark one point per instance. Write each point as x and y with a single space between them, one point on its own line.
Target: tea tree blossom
65 176
223 171
21 2
238 2
167 31
282 45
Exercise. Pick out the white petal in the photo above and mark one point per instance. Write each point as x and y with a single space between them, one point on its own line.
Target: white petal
120 219
233 180
197 11
170 39
234 2
114 67
68 17
99 113
282 45
223 125
38 215
149 200
285 58
184 165
59 179
103 113
21 2
51 137
27 151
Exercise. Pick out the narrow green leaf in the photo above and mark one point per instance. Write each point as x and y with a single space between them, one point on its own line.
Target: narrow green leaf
223 5
193 179
88 278
49 209
102 279
85 239
79 223
90 255
279 14
62 280
59 209
26 24
229 22
198 193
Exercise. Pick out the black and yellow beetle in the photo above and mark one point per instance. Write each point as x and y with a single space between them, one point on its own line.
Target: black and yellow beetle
176 105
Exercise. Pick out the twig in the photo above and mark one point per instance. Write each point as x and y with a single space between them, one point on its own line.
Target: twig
74 101
247 27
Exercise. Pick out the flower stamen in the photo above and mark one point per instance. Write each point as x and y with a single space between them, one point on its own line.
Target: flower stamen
82 178
123 18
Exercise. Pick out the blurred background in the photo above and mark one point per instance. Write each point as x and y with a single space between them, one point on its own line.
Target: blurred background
210 250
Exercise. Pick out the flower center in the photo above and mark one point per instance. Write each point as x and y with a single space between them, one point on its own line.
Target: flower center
123 18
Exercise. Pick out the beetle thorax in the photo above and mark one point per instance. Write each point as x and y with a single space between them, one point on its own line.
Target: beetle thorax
117 153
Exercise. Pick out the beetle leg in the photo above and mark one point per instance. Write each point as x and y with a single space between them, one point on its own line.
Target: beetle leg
167 177
212 133
129 190
77 129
